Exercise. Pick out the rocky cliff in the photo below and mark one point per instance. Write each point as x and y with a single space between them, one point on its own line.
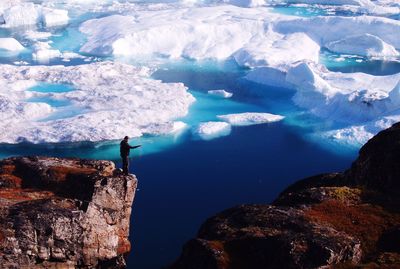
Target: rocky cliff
340 220
64 213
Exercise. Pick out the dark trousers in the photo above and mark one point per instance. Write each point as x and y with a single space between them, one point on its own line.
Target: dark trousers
125 164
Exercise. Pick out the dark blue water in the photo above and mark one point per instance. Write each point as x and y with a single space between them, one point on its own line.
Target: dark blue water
181 187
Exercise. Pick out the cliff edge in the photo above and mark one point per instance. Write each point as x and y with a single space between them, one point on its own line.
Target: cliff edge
337 220
64 213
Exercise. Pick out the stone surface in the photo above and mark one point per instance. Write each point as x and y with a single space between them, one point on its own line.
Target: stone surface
64 213
338 220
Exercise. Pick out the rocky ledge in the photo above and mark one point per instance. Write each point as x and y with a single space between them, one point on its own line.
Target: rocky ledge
339 220
64 213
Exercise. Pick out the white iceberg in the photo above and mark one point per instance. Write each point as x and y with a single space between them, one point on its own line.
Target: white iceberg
43 52
220 93
350 98
110 100
54 17
243 3
10 44
277 50
195 33
358 135
321 29
22 14
250 118
364 45
36 35
212 129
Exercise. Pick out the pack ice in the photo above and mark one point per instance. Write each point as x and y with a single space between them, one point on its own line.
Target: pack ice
110 100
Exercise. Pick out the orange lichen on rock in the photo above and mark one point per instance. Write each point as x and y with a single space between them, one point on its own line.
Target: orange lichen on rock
124 246
62 172
20 195
365 221
10 180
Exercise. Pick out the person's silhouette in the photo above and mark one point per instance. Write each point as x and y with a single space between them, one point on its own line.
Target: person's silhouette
124 150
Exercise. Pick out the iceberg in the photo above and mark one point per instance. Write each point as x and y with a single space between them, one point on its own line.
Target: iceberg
54 17
221 93
43 52
10 44
321 31
110 100
277 50
364 45
195 33
349 98
250 118
35 35
358 135
212 129
22 14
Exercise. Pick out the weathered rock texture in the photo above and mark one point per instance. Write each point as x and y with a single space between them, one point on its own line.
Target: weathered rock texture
64 213
339 220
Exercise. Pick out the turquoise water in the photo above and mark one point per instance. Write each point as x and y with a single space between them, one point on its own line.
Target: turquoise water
354 63
51 88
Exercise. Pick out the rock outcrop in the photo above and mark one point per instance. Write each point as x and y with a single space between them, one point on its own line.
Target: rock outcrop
64 213
339 220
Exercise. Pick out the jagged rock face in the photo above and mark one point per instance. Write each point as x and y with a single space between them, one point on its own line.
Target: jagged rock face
338 220
64 213
378 167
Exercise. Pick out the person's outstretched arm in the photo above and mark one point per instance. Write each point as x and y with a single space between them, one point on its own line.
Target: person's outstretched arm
133 147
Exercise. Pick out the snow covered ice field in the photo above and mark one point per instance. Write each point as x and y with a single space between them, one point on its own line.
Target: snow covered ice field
77 75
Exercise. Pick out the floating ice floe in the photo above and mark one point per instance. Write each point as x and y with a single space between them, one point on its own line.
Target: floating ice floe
10 44
351 98
110 100
30 14
221 93
250 118
54 17
361 6
196 33
36 35
364 45
321 29
243 3
358 135
212 129
43 52
277 50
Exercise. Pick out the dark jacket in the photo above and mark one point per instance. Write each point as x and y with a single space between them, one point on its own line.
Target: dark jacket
125 148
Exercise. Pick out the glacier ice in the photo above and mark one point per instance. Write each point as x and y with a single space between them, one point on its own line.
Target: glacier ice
54 17
351 98
220 93
212 129
111 100
250 118
21 14
364 45
195 33
10 44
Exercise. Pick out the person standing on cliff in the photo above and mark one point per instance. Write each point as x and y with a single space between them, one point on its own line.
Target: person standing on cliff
124 150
